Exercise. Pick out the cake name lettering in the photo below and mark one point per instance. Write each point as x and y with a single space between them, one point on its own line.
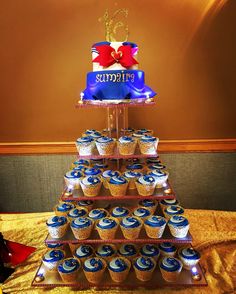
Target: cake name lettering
115 77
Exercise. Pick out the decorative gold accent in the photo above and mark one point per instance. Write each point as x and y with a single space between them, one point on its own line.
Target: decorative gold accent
80 102
112 25
149 100
168 191
39 278
196 277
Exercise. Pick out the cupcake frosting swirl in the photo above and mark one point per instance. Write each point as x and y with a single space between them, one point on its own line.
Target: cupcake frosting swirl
148 139
174 209
155 221
81 162
53 255
147 203
105 250
149 250
90 180
189 253
92 171
119 211
153 160
86 139
141 212
84 202
97 213
170 264
146 180
126 139
63 207
132 175
118 180
81 222
56 221
77 212
95 135
134 166
130 222
90 131
54 245
144 263
79 168
127 250
84 251
93 264
158 173
117 264
167 247
178 221
74 174
104 139
100 165
69 265
156 166
106 223
110 173
169 202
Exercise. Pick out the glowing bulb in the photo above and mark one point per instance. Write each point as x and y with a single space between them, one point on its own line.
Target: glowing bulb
194 270
164 185
81 95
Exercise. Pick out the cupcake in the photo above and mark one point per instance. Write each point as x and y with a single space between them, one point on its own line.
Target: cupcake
72 178
119 268
131 227
144 132
63 208
91 186
141 212
95 135
128 250
82 162
81 227
153 160
150 250
170 268
68 270
148 144
77 212
52 258
57 226
83 252
169 211
102 166
119 212
160 176
91 171
107 174
55 245
189 257
79 168
144 267
168 202
85 145
89 132
132 176
154 166
146 185
105 145
87 204
149 204
126 145
135 167
127 131
97 214
106 251
178 226
107 228
93 269
167 249
118 186
155 226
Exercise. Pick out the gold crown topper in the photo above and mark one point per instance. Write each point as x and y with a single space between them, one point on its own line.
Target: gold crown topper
112 24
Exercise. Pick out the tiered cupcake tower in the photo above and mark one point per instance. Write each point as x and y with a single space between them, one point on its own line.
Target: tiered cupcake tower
138 246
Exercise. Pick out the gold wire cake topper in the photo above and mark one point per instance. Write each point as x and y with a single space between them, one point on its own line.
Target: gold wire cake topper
112 24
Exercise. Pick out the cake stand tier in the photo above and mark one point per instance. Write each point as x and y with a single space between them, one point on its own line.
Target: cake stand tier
129 103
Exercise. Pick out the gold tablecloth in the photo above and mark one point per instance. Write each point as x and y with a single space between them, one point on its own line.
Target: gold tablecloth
214 235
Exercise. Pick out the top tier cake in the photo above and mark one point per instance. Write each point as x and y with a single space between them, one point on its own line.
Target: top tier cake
115 77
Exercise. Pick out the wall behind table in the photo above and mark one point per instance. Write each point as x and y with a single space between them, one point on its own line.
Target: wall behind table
200 180
186 50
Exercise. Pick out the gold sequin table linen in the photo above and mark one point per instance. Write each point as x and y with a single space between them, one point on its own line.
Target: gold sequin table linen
213 232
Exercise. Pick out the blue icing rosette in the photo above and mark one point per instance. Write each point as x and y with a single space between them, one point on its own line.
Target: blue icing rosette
74 174
126 139
132 175
189 253
170 264
110 173
81 162
148 139
130 222
127 250
56 221
156 166
155 221
117 265
178 221
168 202
86 139
149 250
117 180
173 210
81 222
64 207
105 250
144 263
167 247
91 180
85 202
93 265
97 213
90 131
119 211
146 180
106 223
100 165
83 250
92 171
77 212
69 265
104 139
157 173
141 212
95 135
54 245
53 255
147 203
153 160
79 168
134 166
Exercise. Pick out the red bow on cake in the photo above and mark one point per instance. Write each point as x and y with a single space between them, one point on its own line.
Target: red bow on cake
108 56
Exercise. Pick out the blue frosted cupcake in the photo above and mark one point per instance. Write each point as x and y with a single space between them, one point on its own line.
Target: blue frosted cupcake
160 176
91 171
102 166
81 227
135 167
73 178
128 251
189 257
131 227
97 214
107 228
178 226
119 212
107 174
170 268
55 245
132 176
83 252
52 258
141 212
153 160
167 249
68 270
144 132
169 211
126 145
118 186
85 145
57 226
90 132
149 204
87 204
105 145
77 212
144 267
148 144
63 208
168 202
154 166
146 185
119 268
155 226
106 251
150 250
94 269
80 162
91 186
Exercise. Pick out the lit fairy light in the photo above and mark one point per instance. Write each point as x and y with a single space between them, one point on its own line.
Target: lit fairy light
164 185
194 270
